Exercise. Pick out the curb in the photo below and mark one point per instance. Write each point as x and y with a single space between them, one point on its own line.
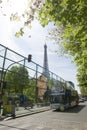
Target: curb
38 110
32 112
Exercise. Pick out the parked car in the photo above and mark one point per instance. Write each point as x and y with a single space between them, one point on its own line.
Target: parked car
84 98
81 99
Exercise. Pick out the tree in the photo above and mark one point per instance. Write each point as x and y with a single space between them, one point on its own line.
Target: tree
71 15
26 14
17 79
30 91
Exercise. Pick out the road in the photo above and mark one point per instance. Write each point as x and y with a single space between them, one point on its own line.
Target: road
72 119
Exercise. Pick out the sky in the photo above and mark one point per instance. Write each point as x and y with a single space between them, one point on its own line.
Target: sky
35 45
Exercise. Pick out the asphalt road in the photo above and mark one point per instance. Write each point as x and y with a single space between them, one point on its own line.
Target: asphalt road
71 119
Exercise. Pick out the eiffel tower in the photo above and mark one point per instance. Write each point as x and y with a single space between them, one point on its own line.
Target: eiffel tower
45 64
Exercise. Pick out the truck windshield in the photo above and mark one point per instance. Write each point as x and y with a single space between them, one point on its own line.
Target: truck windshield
57 99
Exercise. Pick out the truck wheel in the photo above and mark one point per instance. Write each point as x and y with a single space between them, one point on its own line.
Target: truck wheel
62 108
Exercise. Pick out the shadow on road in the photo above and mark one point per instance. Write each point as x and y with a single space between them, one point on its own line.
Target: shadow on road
75 109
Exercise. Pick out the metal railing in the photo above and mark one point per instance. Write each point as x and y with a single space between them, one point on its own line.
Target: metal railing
38 84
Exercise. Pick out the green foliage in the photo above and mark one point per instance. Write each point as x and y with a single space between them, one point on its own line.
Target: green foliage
20 33
14 17
30 91
17 79
83 91
26 15
18 82
72 15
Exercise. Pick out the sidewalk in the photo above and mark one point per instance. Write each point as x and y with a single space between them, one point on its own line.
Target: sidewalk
21 111
24 112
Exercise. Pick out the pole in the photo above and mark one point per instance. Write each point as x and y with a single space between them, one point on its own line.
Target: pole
36 83
2 72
